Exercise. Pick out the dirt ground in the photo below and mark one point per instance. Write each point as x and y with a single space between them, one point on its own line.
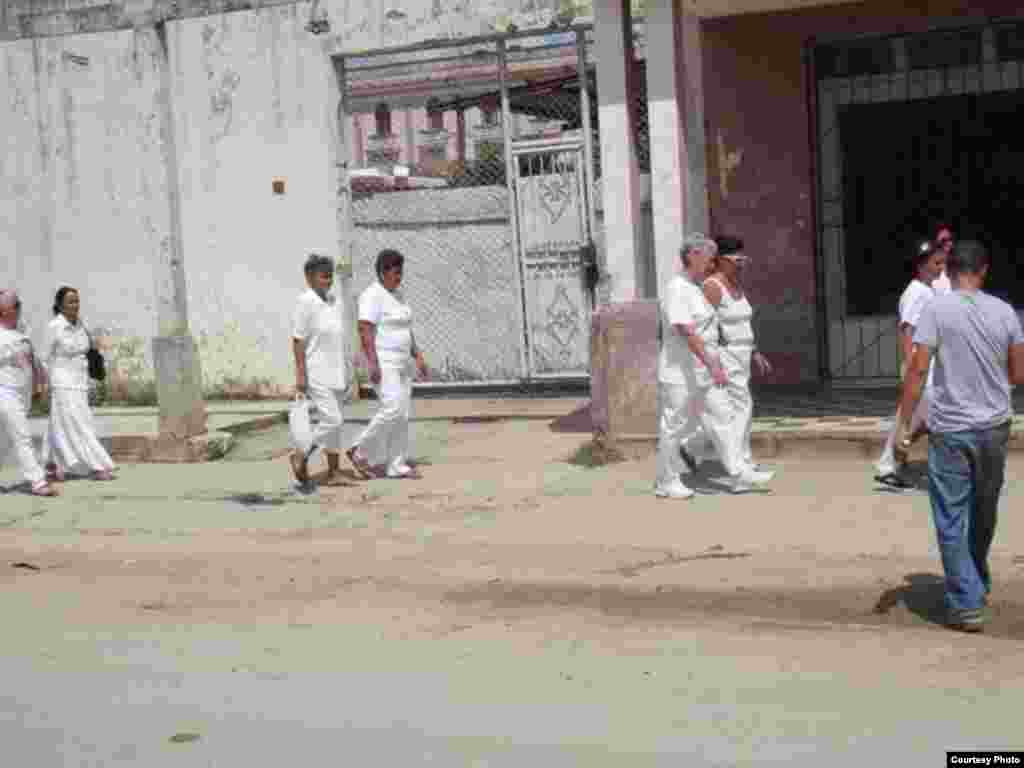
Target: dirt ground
502 524
505 544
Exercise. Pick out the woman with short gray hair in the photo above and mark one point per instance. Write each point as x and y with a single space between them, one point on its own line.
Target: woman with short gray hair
321 372
691 379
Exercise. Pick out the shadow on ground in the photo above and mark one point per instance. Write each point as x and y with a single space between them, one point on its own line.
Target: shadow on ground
578 421
922 595
917 603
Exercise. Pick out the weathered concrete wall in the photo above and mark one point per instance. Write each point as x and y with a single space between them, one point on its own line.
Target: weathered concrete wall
80 198
255 101
376 22
252 105
624 381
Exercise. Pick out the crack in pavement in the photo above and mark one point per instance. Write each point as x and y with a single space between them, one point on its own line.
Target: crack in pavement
671 558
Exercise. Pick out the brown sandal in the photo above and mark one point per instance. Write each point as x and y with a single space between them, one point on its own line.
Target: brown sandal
299 468
362 466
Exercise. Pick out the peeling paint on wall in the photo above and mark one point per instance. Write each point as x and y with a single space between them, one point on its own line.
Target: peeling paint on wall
728 162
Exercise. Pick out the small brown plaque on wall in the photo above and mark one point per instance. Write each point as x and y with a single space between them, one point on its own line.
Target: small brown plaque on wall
277 185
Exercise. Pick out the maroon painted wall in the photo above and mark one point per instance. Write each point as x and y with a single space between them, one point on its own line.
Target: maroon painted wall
757 103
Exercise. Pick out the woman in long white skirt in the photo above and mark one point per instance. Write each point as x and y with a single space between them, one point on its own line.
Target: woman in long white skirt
71 445
385 329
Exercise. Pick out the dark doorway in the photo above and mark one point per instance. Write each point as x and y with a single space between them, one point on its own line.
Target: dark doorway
908 166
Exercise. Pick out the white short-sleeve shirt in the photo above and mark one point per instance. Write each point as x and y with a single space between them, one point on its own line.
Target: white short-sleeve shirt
913 301
915 298
942 285
683 303
14 375
64 353
393 320
321 324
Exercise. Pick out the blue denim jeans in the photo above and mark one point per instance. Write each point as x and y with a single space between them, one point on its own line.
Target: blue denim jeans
965 478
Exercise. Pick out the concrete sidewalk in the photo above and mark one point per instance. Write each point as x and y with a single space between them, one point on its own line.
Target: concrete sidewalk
848 423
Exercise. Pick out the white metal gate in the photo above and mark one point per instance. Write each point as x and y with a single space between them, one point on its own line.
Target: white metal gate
474 158
551 199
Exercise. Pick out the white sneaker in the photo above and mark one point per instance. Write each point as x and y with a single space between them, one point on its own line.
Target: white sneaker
402 470
749 479
674 490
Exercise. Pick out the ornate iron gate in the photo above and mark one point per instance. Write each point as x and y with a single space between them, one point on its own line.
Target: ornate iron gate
474 158
554 236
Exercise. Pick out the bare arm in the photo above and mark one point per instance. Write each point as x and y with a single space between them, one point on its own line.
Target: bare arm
700 351
40 375
713 293
368 339
1016 364
913 383
417 353
906 343
299 352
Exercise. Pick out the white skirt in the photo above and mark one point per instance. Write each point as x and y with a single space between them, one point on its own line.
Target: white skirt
71 442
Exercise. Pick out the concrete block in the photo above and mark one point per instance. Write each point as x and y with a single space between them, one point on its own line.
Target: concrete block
179 387
192 450
624 357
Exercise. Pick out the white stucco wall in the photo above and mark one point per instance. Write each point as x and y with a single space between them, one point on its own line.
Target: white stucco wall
252 100
80 201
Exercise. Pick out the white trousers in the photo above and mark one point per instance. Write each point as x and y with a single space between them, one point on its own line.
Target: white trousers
736 362
16 437
327 430
886 464
71 442
684 409
385 441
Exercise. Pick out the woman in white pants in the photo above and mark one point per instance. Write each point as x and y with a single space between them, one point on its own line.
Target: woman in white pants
321 373
71 446
724 291
20 374
385 330
692 381
929 264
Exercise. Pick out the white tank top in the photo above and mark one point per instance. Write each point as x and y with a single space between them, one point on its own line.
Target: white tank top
734 317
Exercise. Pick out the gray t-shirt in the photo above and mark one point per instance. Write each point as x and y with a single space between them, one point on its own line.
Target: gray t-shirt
970 335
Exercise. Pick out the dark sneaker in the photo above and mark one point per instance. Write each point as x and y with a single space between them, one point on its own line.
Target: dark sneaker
968 620
895 482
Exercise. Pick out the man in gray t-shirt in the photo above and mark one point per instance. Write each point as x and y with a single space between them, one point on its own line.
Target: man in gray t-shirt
978 346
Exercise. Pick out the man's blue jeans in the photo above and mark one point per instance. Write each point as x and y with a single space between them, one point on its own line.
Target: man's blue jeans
965 478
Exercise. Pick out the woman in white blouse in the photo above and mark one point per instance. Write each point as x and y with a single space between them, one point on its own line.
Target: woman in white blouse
321 373
385 330
71 445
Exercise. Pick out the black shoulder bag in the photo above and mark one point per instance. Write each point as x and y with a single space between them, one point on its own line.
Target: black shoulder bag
97 365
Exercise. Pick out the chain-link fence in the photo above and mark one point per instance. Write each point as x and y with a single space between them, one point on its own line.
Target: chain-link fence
429 176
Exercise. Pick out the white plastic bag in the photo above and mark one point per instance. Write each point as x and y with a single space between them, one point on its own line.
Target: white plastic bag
299 424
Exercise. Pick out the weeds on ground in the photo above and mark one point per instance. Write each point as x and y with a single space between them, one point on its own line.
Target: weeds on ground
597 452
